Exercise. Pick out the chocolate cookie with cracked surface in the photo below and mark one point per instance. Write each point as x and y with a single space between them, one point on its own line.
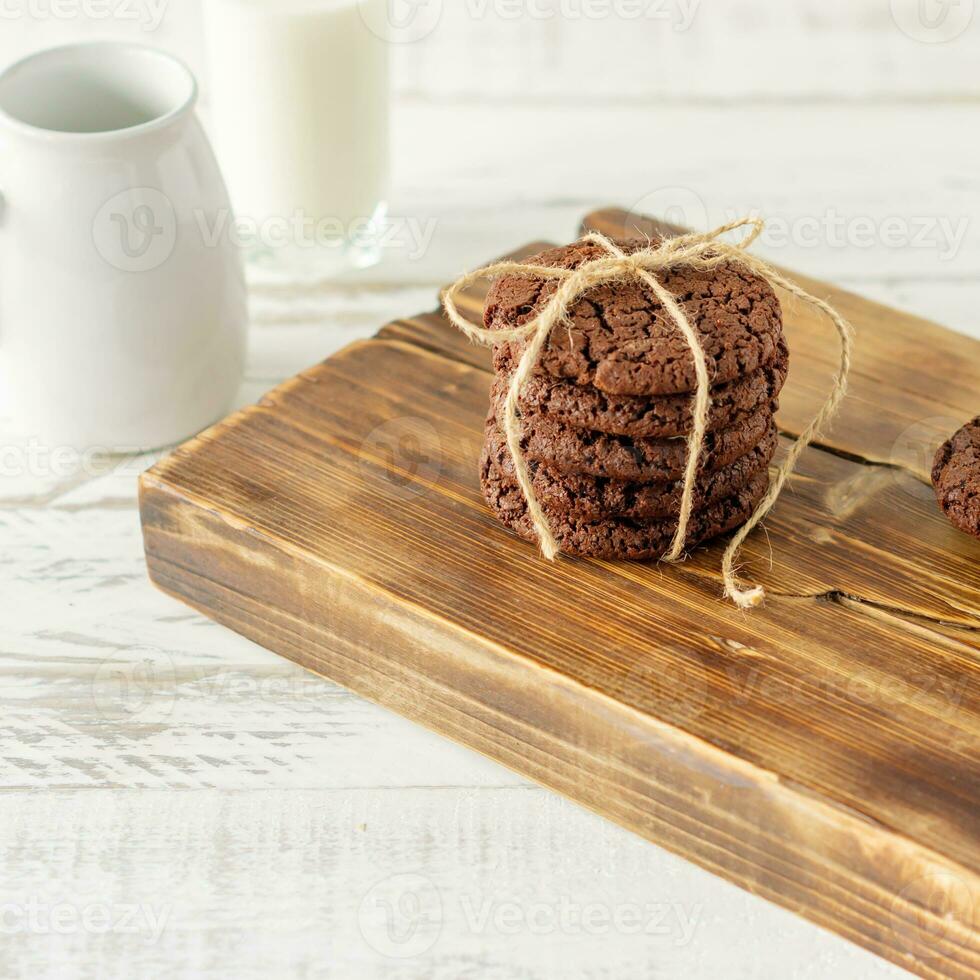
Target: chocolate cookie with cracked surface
620 339
956 478
622 539
592 498
646 417
569 450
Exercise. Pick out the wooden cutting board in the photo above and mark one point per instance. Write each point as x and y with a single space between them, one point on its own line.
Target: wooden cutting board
821 752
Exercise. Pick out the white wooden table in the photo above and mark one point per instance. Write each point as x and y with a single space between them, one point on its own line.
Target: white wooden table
179 802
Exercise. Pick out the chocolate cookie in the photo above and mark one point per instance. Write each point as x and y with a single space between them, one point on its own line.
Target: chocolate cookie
620 339
593 498
956 477
646 417
620 538
569 450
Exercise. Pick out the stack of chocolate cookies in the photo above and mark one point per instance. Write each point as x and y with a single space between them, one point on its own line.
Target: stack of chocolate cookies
607 413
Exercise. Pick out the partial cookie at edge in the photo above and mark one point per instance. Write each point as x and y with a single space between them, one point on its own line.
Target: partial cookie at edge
956 478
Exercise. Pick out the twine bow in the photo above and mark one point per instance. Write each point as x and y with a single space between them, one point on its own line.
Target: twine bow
701 252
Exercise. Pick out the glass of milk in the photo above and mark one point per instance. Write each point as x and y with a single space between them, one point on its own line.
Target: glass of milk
299 115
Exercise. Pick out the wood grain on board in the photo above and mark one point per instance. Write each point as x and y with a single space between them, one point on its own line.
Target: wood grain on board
821 752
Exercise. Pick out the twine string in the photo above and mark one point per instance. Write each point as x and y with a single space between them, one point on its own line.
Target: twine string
700 252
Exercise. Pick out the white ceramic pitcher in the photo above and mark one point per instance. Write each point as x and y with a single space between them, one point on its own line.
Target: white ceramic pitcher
122 312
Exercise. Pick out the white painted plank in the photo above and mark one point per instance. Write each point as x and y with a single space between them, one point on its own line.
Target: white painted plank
413 884
607 50
689 50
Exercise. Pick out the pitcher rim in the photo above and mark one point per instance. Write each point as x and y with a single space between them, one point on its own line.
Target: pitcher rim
185 107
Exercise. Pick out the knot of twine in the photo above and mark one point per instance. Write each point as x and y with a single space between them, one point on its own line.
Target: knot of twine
701 252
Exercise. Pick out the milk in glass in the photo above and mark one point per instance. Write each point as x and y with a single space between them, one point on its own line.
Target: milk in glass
299 109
